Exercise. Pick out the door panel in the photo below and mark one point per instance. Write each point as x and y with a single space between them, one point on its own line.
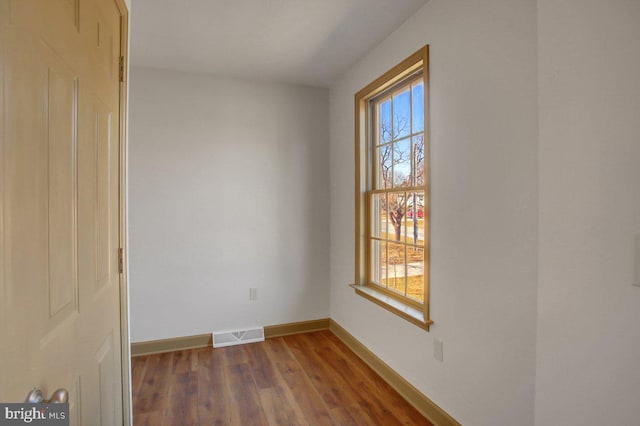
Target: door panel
61 136
103 146
59 212
106 373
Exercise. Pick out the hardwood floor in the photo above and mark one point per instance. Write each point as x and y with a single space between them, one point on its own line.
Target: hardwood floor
305 379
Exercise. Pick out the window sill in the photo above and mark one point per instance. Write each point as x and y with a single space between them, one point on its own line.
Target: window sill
404 311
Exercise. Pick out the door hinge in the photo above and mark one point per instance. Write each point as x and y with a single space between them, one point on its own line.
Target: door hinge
121 68
120 260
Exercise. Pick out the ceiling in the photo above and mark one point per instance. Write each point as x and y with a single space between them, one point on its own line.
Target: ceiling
309 42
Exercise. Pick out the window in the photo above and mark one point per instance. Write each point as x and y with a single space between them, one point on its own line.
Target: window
392 190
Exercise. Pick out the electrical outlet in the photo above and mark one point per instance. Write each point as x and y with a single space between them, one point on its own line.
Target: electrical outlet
253 294
437 349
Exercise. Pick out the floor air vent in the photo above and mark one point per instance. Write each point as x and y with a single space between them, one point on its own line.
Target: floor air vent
228 338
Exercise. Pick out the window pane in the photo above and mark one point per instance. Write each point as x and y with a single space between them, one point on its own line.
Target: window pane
396 211
401 114
384 160
404 226
379 262
378 215
417 108
385 122
418 159
396 268
402 163
415 218
415 273
415 255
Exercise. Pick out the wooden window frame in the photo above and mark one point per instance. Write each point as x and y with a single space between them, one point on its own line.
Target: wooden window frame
410 310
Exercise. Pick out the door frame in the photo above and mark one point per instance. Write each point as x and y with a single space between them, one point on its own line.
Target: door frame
125 351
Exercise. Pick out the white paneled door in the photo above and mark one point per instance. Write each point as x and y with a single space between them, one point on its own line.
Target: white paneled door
60 191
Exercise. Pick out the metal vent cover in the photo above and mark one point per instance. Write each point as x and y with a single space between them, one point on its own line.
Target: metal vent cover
237 337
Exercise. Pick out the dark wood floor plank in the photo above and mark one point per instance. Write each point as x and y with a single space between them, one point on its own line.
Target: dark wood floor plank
153 391
362 407
278 408
341 416
312 379
211 364
353 409
371 383
182 361
372 404
212 402
234 355
243 392
360 366
334 389
138 367
154 418
260 366
297 382
183 399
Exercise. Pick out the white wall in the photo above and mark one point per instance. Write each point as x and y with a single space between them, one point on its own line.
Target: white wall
588 350
484 200
228 190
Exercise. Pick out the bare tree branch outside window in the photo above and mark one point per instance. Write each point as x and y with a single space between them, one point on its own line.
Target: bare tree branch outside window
390 157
